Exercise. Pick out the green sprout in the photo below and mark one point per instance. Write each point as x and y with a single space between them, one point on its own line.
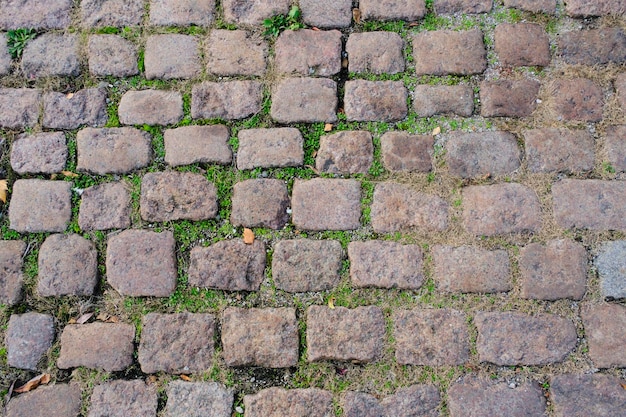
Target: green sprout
17 40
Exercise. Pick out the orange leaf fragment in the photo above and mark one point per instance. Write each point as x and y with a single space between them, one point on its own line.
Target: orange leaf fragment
623 385
4 189
248 236
185 378
356 15
328 127
69 174
33 383
69 95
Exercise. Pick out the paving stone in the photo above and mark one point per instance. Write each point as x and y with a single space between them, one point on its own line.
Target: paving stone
471 269
68 265
69 111
117 150
39 153
381 264
198 399
581 8
507 98
429 100
326 14
590 204
522 44
28 338
462 6
115 13
19 107
105 206
471 155
473 397
260 203
381 101
176 343
620 88
342 334
326 204
267 148
35 14
498 209
397 207
409 10
533 6
198 144
611 266
555 270
11 276
413 401
308 52
616 147
5 57
51 54
303 265
124 398
375 52
40 206
347 152
511 338
445 52
151 107
142 263
182 12
306 100
593 46
229 265
228 100
559 150
161 63
112 55
59 400
587 395
253 13
107 346
578 99
404 152
604 331
235 52
310 402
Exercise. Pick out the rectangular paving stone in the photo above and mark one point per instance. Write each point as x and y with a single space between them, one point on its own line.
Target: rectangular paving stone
559 150
5 57
593 46
620 89
616 146
115 13
253 13
306 100
429 100
346 152
51 54
604 330
28 338
116 150
533 6
198 144
444 52
162 63
235 52
105 206
522 44
471 155
229 100
121 398
380 101
419 400
44 153
69 111
151 107
582 8
402 152
19 107
182 12
582 395
11 275
53 400
308 52
40 206
578 99
198 399
112 55
271 147
326 14
508 98
375 52
611 266
35 14
408 10
309 402
260 202
462 6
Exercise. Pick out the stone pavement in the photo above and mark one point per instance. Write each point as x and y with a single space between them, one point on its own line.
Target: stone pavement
436 189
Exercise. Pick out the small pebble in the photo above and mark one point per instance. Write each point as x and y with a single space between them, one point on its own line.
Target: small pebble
239 410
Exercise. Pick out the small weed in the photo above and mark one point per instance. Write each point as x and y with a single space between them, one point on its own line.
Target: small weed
276 24
608 168
17 40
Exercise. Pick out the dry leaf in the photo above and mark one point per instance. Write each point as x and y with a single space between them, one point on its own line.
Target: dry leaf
53 176
328 127
84 318
4 188
152 379
248 236
112 319
69 95
185 378
69 174
356 15
331 303
33 383
103 317
623 385
315 28
436 131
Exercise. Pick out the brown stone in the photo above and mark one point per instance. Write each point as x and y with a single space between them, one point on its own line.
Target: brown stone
380 101
197 144
326 13
182 12
593 46
522 44
306 100
115 13
308 52
616 147
172 56
620 88
19 107
40 206
413 401
260 203
229 100
11 276
578 99
253 13
113 150
235 52
462 6
39 153
28 338
105 206
559 150
51 54
347 152
151 107
120 398
375 52
429 100
409 10
404 152
582 8
507 98
604 331
34 14
272 147
196 399
533 6
310 402
587 395
445 52
58 400
112 55
471 155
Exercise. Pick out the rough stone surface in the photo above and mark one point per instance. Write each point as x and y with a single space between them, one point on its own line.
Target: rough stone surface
413 401
429 100
105 206
346 152
59 400
229 265
124 398
342 334
198 144
604 331
226 100
182 12
392 9
68 265
507 98
303 265
309 52
375 52
151 107
327 13
113 150
305 100
40 206
533 6
235 52
431 337
161 63
112 55
398 206
266 337
512 338
611 266
499 209
404 152
39 153
445 52
273 147
35 14
107 346
585 395
11 276
326 204
253 13
471 269
69 111
116 13
5 57
620 87
28 338
616 146
176 343
578 99
51 54
559 150
377 263
142 263
580 8
462 6
310 402
522 44
19 107
593 46
381 101
260 203
471 155
198 399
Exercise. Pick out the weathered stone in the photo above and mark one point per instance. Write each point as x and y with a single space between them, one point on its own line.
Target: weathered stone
471 155
197 144
161 63
253 13
310 402
309 52
59 400
198 399
35 14
19 107
471 269
305 100
620 88
593 46
377 263
51 54
616 146
533 6
68 265
611 266
5 57
69 111
182 12
260 203
124 398
512 338
107 346
413 401
277 147
266 337
342 334
578 99
409 10
105 206
445 52
462 6
142 263
404 152
347 152
327 13
113 150
226 100
11 276
375 52
40 206
522 44
229 265
116 13
28 338
587 395
559 150
112 55
498 209
581 8
235 52
151 107
507 98
304 265
429 100
381 101
326 204
39 153
398 206
604 331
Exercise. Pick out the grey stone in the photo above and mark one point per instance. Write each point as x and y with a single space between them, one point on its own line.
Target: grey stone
604 330
471 155
375 52
69 111
533 6
235 52
44 153
413 401
105 206
260 203
51 54
578 99
198 399
404 152
5 57
273 147
198 144
593 46
28 338
429 100
462 6
227 100
616 146
253 13
586 395
112 55
35 14
59 400
305 100
182 12
310 402
582 8
116 13
326 13
611 265
347 152
308 52
559 150
172 56
124 398
40 206
11 276
444 52
19 107
113 150
151 107
409 10
508 98
380 101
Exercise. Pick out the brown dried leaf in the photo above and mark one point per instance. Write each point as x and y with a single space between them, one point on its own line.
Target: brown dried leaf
328 127
4 188
185 378
331 303
312 168
356 15
248 236
112 319
69 174
33 383
103 317
436 131
151 380
623 385
84 318
69 95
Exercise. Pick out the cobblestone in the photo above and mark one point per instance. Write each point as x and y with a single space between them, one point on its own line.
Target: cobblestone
616 147
182 13
161 63
429 100
28 338
471 155
105 206
611 266
53 14
112 150
462 6
267 148
51 54
559 150
260 203
327 14
112 55
306 100
522 44
246 13
604 331
229 100
123 398
392 9
40 206
446 52
578 100
581 8
70 111
152 107
11 276
413 401
112 13
593 47
44 153
198 399
308 52
19 107
5 57
198 144
381 101
534 6
54 400
507 98
404 152
235 52
578 395
310 402
375 52
347 152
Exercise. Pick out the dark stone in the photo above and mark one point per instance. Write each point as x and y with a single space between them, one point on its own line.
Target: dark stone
380 101
308 52
51 54
69 111
375 52
40 206
59 400
305 100
587 395
11 276
593 46
404 152
471 155
229 100
413 401
445 52
310 402
582 8
522 44
124 398
28 338
198 144
507 98
260 203
44 153
95 148
198 399
578 99
272 147
429 100
346 152
105 206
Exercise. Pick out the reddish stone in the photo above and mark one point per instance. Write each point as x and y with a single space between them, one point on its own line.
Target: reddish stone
182 12
35 14
151 107
260 203
522 44
253 13
228 100
559 150
409 10
533 6
305 100
197 144
235 52
582 8
40 206
58 400
310 402
113 151
112 55
273 147
462 6
11 276
429 100
413 401
507 98
445 52
593 46
69 111
380 101
604 331
375 52
51 54
347 152
616 146
19 107
308 52
28 338
124 398
105 206
39 153
587 395
326 13
404 152
471 155
116 13
578 99
162 63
